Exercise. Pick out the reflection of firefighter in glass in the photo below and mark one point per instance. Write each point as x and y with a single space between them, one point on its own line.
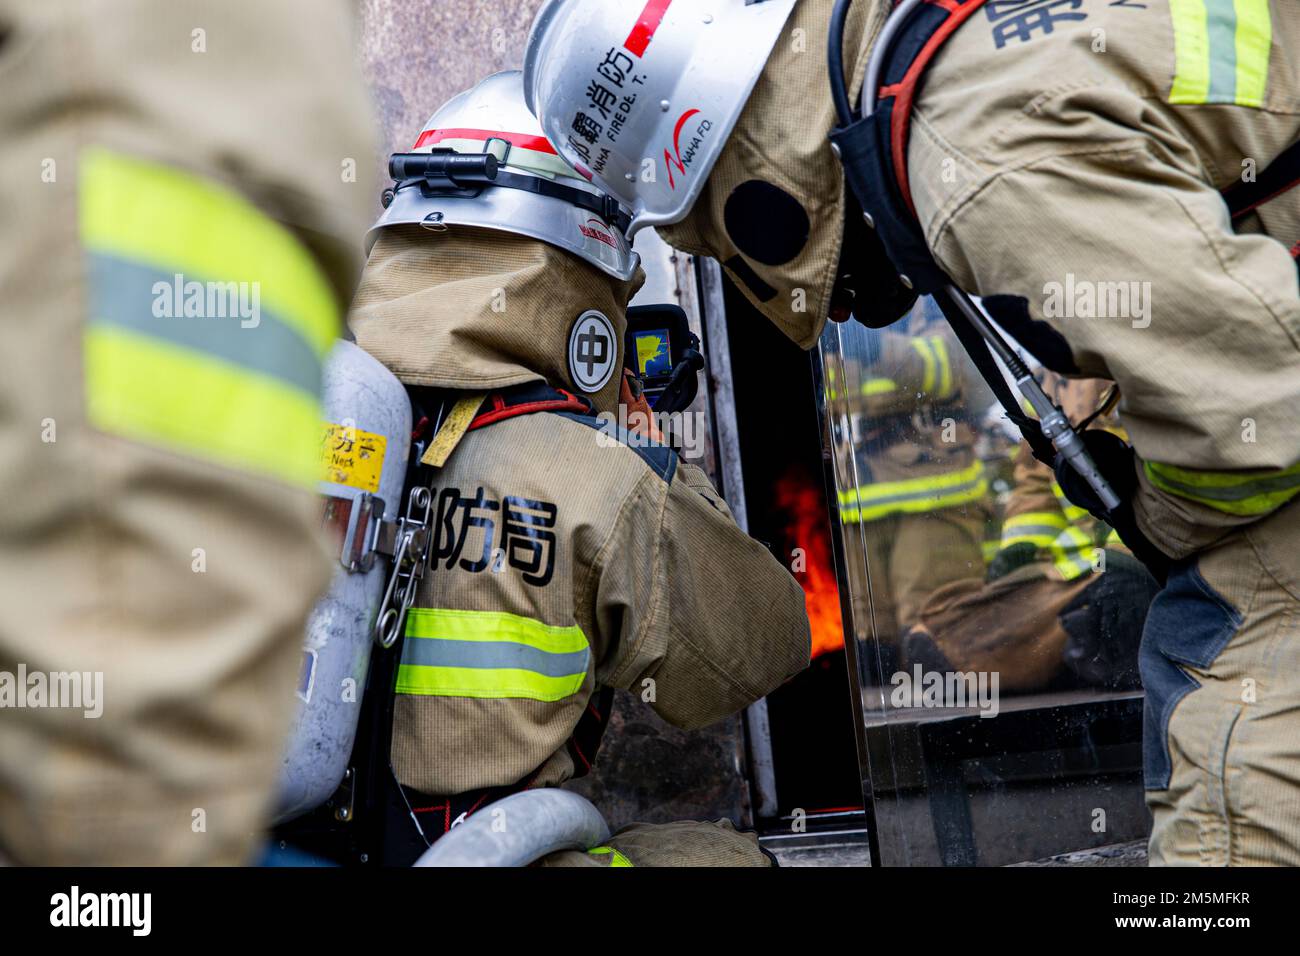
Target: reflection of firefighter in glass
1045 616
920 492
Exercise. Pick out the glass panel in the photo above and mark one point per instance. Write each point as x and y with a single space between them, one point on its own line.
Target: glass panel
996 625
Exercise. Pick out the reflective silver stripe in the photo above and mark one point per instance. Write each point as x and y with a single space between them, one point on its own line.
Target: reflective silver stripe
1045 532
492 655
123 297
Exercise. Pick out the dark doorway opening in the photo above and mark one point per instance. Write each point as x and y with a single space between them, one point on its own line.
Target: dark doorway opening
814 746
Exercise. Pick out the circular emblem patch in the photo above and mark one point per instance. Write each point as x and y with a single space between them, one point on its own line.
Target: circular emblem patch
593 351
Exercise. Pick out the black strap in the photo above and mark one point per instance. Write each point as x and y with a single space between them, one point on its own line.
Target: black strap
445 173
982 357
587 735
1280 176
603 205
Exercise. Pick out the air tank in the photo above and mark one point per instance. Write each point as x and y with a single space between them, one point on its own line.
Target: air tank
365 445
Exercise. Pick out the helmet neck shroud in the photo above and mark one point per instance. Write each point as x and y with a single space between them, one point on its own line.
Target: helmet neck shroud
477 309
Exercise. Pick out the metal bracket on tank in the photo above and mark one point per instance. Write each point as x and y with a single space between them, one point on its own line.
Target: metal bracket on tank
364 534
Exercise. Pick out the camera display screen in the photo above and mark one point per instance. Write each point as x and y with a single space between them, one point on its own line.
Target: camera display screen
653 353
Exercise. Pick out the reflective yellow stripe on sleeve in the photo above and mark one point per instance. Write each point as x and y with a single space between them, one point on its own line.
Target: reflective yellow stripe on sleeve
1221 51
1191 51
1253 44
209 321
914 495
1236 493
931 365
878 386
944 362
615 858
490 654
1071 511
1073 553
1039 528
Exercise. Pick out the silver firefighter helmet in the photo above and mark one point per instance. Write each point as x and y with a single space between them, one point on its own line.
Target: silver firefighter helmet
482 160
659 83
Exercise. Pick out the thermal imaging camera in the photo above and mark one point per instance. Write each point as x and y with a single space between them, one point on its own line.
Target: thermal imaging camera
661 349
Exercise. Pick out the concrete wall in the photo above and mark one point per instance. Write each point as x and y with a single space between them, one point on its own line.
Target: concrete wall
420 53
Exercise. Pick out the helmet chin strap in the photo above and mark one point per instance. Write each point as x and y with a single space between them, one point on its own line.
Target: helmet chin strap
445 172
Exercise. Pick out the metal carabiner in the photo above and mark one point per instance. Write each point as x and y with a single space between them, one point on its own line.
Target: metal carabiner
410 559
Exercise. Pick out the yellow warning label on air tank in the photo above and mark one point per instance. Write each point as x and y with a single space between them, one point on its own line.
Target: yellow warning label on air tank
353 457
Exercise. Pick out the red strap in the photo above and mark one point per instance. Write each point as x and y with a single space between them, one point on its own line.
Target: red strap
500 411
581 756
420 428
904 91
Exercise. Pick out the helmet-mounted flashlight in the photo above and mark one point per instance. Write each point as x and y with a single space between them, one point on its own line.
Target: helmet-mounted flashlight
444 167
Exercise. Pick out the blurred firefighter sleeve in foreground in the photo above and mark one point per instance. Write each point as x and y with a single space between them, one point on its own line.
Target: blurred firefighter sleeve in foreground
183 186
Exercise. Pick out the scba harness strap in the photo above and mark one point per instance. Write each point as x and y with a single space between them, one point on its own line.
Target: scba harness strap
868 146
1279 177
873 151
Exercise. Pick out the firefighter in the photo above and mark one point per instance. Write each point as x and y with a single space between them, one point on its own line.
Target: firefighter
569 557
919 491
181 247
1063 601
1107 174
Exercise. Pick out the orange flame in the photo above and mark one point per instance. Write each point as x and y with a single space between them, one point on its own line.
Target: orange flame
801 499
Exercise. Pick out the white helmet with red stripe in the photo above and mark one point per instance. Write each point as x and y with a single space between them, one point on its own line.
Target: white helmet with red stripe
643 95
483 161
